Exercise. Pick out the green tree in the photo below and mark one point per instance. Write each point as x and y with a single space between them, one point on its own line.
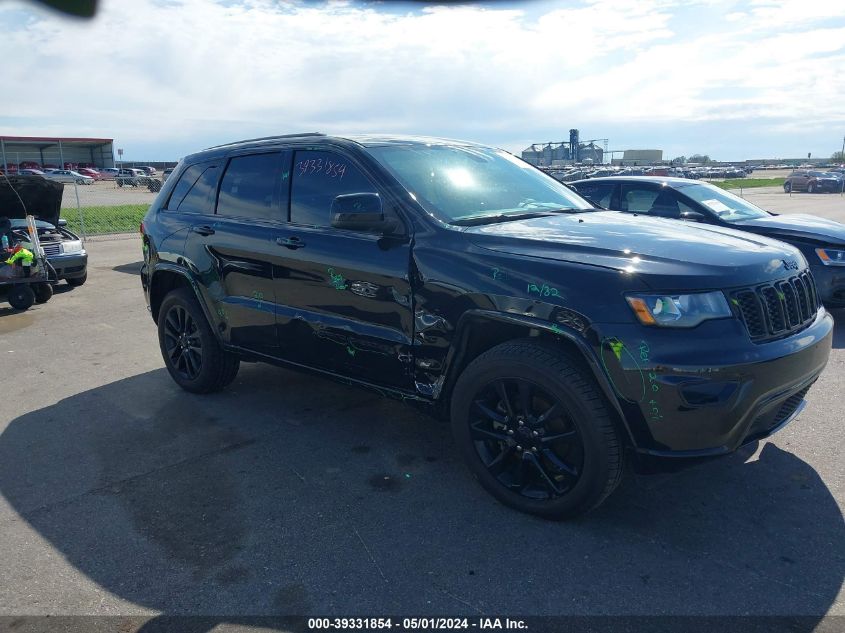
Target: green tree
838 157
699 158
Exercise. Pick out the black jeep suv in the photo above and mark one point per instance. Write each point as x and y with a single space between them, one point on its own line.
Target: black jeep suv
556 337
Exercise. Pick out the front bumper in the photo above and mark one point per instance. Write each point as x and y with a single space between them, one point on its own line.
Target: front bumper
71 265
830 284
708 390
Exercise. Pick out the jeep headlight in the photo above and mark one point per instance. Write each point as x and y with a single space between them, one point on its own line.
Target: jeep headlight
687 310
831 256
72 246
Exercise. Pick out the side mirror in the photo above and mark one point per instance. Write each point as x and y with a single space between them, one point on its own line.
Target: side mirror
358 212
62 222
693 216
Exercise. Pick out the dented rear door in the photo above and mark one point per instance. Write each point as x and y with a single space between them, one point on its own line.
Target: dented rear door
343 297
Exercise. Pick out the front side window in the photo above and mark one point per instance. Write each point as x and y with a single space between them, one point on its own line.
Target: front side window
249 187
462 183
317 178
597 192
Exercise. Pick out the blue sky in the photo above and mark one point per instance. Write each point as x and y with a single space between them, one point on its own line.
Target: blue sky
732 79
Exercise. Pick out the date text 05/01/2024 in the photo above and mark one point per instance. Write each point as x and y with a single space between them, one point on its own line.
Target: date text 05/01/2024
414 624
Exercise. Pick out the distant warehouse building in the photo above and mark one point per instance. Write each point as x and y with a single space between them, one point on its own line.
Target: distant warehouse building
35 152
639 157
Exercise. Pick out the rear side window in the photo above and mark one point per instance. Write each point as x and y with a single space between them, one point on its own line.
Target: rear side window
636 199
250 186
318 177
186 181
200 197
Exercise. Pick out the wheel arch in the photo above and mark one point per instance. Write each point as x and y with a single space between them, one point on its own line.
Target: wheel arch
165 279
481 330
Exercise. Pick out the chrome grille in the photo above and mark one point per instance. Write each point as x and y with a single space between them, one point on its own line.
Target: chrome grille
778 309
52 249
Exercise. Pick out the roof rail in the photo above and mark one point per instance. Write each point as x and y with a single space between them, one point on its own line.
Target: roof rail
266 138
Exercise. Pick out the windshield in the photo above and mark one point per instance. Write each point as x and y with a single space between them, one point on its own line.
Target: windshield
462 183
726 205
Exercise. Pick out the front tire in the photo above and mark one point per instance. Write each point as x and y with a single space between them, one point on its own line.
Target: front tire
787 187
191 352
535 430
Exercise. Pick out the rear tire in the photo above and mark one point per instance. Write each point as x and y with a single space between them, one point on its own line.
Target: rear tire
787 187
21 297
570 455
191 351
43 292
811 188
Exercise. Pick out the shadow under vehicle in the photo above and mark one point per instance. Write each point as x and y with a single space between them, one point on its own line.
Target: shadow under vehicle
337 502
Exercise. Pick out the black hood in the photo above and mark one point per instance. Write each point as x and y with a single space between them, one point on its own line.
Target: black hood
41 198
664 253
797 226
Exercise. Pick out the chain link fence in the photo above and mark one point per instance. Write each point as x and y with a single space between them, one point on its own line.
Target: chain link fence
107 209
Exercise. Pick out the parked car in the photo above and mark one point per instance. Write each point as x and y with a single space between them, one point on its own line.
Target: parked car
43 199
130 177
108 173
166 173
148 170
68 175
30 172
560 340
821 241
92 173
812 182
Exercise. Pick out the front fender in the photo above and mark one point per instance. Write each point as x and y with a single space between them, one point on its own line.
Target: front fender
574 340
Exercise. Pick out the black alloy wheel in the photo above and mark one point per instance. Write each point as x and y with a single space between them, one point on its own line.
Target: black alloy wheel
192 353
534 428
182 342
526 438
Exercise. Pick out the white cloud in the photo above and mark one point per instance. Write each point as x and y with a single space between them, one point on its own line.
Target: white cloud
180 74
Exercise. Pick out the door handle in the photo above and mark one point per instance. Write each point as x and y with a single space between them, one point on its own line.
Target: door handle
203 230
290 242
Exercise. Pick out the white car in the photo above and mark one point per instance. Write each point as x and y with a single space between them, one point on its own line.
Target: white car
67 175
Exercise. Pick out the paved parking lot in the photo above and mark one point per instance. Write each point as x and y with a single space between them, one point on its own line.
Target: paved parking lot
287 494
104 193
